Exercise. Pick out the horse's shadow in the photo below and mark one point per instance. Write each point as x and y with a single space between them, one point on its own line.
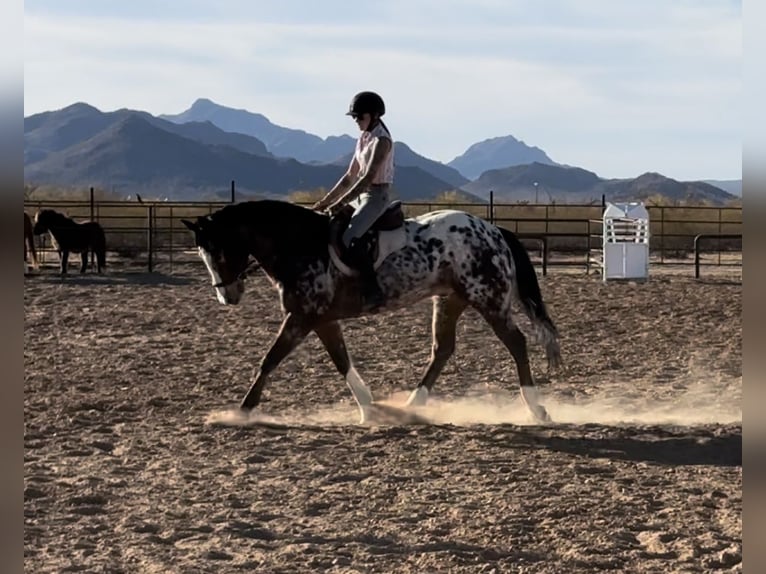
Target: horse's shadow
721 281
114 278
660 446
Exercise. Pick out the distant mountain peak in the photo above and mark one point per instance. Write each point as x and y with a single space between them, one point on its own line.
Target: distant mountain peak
201 102
80 107
280 141
495 142
497 153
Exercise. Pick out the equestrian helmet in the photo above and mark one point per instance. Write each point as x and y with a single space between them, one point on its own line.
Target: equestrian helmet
366 103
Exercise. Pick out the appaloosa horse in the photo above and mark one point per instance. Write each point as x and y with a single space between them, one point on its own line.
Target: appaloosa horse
67 236
454 257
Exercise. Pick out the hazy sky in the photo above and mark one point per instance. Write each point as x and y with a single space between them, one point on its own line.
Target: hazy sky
619 87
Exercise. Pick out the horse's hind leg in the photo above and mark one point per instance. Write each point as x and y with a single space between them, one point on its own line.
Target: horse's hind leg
84 259
516 343
332 338
101 260
446 312
33 251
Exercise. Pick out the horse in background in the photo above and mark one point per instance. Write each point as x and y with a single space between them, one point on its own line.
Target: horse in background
29 241
68 236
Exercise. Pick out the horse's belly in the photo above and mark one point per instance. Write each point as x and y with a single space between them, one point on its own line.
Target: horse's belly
409 275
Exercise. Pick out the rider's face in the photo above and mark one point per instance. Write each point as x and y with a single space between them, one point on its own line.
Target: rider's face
362 120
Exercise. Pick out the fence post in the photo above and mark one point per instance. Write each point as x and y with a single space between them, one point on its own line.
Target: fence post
720 231
233 193
662 234
150 238
697 257
92 215
170 253
491 207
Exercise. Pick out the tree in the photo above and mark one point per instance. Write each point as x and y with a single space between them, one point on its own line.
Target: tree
307 196
453 197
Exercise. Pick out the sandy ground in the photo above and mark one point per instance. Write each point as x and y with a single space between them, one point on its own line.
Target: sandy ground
124 472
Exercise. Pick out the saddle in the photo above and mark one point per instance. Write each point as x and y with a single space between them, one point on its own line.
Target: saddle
392 219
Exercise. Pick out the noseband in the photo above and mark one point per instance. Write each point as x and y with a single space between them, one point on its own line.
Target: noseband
249 268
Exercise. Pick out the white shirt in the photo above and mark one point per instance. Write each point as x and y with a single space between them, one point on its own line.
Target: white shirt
363 155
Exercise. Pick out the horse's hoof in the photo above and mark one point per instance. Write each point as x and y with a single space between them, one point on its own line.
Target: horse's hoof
418 397
541 415
382 414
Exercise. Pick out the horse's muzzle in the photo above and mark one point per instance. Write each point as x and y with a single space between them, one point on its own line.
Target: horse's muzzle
230 293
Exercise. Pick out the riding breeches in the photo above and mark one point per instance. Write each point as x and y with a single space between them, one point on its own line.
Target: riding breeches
369 206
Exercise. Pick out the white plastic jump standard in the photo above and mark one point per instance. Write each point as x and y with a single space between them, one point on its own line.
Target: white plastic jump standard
626 241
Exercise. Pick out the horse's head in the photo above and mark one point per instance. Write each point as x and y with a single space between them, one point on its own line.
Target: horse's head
225 256
42 221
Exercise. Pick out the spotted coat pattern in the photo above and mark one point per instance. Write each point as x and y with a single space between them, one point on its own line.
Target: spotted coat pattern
445 251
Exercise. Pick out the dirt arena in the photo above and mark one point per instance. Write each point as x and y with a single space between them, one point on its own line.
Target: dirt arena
127 471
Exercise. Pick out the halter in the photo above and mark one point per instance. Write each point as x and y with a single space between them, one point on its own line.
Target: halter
249 268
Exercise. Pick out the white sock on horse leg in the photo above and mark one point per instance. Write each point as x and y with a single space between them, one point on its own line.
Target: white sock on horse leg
360 390
531 397
418 397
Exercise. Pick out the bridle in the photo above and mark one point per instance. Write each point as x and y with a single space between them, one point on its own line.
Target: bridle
249 268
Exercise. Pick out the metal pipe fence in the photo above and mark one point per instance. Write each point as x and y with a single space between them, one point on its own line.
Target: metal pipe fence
149 235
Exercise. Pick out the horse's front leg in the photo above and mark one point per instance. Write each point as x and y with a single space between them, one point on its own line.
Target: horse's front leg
332 338
84 265
293 330
64 256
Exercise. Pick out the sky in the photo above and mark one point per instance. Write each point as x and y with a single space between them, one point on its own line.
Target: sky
618 87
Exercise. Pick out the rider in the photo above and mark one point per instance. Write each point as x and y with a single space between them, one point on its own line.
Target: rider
367 180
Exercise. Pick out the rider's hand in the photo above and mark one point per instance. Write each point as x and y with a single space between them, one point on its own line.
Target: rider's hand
334 208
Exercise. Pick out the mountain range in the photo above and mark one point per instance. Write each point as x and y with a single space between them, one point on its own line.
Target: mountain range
194 154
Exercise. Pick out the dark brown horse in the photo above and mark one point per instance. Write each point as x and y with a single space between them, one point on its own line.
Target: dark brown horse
457 259
29 241
67 236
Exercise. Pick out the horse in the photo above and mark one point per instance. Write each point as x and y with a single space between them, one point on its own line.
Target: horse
29 241
457 259
67 235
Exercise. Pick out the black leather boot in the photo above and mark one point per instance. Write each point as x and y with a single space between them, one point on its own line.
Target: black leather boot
372 295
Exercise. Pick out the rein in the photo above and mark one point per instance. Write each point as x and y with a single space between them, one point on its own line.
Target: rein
249 268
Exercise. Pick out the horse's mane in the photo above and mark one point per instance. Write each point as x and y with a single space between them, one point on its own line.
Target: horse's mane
286 223
50 216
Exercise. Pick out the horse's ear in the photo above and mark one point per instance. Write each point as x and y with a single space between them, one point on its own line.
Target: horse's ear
191 225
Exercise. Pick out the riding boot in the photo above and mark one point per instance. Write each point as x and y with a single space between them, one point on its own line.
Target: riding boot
370 290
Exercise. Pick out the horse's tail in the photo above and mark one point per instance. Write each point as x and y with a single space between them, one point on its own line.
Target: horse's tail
528 292
33 251
29 240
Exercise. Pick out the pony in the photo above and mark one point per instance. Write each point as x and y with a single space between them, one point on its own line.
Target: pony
457 259
68 236
29 241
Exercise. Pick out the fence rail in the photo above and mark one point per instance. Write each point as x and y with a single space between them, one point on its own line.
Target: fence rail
150 233
697 249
